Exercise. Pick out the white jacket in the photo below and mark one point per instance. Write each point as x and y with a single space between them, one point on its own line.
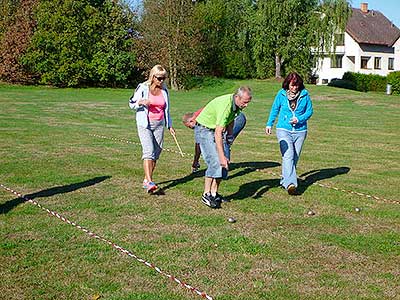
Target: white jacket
142 112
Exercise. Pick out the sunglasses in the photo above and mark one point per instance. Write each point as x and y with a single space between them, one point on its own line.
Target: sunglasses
159 78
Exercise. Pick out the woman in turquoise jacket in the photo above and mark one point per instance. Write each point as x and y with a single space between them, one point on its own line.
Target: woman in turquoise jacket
293 107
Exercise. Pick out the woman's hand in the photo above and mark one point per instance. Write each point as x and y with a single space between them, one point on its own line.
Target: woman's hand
294 121
172 130
145 102
268 130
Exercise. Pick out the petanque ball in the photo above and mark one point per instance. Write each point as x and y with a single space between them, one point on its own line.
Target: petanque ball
231 220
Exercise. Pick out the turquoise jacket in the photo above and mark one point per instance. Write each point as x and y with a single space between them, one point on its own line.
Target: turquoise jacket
142 113
302 112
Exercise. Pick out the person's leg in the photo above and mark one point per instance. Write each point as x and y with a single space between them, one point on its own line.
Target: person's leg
286 147
299 139
146 140
214 170
148 169
238 125
207 184
214 186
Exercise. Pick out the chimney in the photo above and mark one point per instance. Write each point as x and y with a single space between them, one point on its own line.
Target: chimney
364 7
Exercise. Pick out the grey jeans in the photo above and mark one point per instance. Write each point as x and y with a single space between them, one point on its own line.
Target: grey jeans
152 138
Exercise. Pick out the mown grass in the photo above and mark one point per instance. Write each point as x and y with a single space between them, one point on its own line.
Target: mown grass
275 250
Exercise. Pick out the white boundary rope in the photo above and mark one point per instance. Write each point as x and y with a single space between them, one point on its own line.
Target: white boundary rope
378 199
115 246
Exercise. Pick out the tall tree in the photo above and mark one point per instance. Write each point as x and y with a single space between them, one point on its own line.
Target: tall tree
82 42
225 34
171 37
16 30
293 32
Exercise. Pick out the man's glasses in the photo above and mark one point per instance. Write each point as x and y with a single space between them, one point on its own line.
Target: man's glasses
159 78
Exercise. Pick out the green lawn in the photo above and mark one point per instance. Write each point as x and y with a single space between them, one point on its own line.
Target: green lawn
51 151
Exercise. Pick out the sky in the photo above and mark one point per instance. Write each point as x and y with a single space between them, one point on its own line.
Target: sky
390 8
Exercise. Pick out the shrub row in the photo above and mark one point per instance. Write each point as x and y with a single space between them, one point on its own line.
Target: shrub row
394 80
366 82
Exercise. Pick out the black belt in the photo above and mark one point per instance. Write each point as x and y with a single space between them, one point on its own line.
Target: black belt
201 125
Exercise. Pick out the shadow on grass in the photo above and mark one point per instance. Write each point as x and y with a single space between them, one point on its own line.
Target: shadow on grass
313 176
9 205
256 189
248 167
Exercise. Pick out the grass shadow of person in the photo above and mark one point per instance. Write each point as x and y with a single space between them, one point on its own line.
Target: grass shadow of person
11 204
316 175
255 189
248 167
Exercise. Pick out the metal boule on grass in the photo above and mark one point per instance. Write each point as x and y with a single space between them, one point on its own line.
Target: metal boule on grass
311 212
357 209
231 220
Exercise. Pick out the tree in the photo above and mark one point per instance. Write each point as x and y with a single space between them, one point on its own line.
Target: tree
225 35
16 29
170 37
82 43
288 30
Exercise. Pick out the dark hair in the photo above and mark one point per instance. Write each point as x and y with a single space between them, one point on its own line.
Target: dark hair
294 78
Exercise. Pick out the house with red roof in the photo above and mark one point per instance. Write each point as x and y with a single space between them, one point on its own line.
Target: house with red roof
369 45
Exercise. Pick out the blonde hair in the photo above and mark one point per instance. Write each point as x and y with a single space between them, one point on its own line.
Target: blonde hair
157 70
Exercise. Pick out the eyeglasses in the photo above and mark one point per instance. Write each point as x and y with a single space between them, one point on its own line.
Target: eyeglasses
159 78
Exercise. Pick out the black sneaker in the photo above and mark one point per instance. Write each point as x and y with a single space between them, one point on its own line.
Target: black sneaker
210 201
221 199
291 189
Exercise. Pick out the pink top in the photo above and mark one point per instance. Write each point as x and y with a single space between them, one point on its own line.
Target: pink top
156 108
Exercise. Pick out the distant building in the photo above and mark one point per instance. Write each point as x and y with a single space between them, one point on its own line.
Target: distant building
370 45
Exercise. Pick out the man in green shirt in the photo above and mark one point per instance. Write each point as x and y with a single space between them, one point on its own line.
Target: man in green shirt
216 118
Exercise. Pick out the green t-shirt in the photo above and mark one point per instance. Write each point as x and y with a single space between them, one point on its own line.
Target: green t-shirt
220 111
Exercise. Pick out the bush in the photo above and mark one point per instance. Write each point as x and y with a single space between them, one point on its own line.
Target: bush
342 83
366 82
394 80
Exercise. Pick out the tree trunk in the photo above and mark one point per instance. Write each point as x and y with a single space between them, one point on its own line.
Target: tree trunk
277 66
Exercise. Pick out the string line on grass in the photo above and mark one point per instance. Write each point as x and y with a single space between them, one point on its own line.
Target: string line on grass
134 143
378 199
115 246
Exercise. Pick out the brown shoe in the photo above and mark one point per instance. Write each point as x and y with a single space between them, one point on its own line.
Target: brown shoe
291 189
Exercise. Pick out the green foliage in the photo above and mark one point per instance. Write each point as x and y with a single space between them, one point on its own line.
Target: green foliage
16 30
341 83
394 80
366 82
171 37
82 43
226 36
284 33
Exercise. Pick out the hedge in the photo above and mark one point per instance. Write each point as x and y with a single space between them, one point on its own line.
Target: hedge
366 82
394 80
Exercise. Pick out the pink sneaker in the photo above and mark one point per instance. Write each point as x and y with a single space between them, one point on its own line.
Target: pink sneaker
151 187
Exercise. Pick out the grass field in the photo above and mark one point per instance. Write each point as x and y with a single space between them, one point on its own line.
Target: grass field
51 153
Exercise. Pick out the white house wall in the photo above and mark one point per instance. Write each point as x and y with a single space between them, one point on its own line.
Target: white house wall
353 49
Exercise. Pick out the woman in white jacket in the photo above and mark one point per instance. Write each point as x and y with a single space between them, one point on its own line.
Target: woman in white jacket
151 102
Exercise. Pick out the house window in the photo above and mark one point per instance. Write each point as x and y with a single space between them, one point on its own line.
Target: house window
391 63
336 61
364 62
377 63
339 39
